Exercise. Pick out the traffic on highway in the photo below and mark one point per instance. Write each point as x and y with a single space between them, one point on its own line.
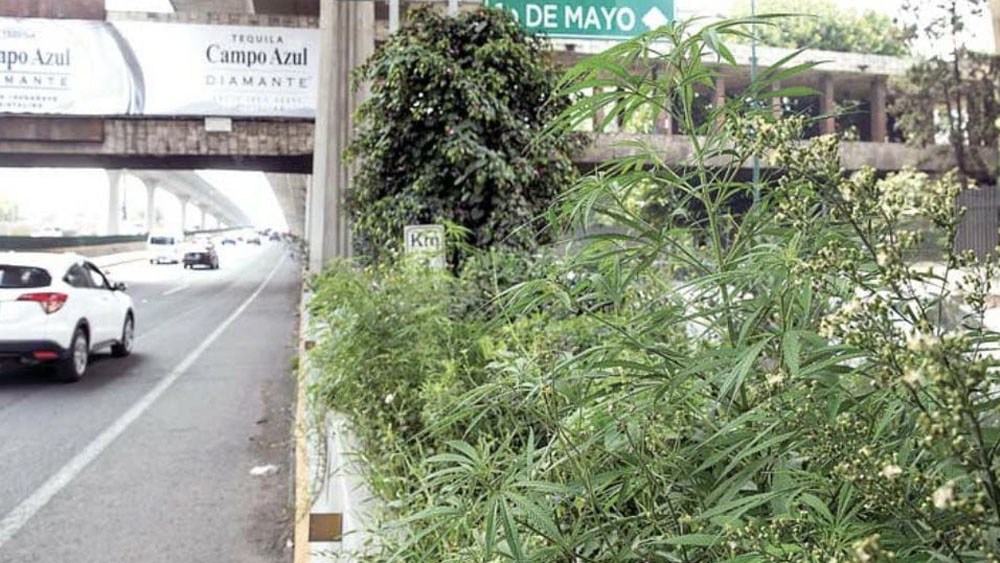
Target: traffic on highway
181 393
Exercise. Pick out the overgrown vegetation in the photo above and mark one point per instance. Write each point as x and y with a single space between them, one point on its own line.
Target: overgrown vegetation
773 384
450 134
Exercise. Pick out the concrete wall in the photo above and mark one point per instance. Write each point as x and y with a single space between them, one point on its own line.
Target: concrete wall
675 149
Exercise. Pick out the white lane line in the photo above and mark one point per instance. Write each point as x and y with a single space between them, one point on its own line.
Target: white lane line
177 289
22 513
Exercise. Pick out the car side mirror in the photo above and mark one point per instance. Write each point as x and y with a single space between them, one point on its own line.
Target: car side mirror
119 286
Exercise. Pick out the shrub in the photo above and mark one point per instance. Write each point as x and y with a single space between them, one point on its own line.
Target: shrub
449 133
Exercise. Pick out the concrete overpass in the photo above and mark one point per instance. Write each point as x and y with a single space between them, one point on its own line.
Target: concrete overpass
190 189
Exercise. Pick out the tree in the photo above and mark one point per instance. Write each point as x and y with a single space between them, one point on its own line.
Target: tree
952 93
822 24
451 133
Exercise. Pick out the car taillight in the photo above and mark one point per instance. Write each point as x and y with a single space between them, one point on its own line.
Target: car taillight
50 302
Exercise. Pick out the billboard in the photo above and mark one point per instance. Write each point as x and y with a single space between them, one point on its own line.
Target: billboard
97 68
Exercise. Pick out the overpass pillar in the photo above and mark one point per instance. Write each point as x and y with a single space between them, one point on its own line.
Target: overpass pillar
116 181
203 225
185 200
827 105
776 103
347 39
150 206
879 117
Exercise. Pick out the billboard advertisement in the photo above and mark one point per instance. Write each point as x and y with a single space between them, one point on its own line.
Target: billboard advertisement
96 68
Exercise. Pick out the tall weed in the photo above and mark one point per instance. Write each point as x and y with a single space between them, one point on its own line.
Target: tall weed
762 377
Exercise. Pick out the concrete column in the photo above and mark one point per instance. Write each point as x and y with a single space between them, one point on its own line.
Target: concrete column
664 123
185 200
879 117
776 104
719 94
347 39
827 105
719 98
599 113
995 16
116 179
150 206
203 225
662 120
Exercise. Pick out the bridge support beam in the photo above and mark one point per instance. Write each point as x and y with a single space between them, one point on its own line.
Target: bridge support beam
116 184
347 38
879 116
827 105
150 206
184 200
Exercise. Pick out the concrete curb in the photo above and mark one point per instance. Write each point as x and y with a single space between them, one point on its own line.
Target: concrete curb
327 480
302 492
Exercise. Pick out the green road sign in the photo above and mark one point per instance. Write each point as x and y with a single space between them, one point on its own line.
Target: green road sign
589 19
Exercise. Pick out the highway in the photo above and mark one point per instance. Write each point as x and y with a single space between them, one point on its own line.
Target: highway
149 458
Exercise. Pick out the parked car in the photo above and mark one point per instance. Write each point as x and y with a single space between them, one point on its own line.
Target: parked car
58 309
253 239
201 256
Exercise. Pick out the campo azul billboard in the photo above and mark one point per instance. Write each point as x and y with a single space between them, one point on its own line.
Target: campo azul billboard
72 67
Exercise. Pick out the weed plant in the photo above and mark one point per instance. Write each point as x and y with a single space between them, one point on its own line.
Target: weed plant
761 378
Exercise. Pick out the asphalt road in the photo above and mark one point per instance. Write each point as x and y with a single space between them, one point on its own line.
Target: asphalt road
148 459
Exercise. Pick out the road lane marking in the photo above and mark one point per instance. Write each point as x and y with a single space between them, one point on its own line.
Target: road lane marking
14 521
177 289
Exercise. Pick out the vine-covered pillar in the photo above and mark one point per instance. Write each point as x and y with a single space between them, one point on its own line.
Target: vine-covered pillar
347 39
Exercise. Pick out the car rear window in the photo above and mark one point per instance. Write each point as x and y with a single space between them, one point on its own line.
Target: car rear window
161 240
17 277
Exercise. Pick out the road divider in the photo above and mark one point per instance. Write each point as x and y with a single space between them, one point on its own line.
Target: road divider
110 260
333 506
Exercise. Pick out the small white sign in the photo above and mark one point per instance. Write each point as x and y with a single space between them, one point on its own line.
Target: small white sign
426 241
218 125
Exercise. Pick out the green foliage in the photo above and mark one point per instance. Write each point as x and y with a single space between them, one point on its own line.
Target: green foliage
952 94
823 24
921 100
766 381
388 334
449 133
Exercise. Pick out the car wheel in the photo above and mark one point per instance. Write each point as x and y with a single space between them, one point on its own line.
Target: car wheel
124 346
72 368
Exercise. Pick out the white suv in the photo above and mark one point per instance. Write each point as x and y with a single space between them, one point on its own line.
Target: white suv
58 309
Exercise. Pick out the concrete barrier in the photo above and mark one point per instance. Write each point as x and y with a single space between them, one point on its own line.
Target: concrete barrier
329 485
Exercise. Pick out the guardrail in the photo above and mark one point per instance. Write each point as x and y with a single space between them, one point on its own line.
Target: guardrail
62 243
